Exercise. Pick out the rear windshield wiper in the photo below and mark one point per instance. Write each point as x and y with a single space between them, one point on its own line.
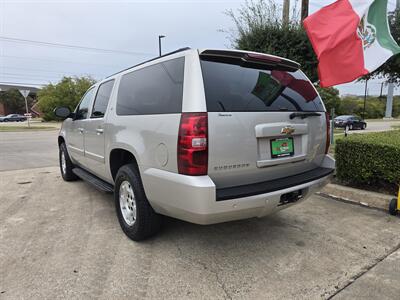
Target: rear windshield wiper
303 115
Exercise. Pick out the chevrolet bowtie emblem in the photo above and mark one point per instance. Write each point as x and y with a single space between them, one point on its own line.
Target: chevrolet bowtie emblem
287 130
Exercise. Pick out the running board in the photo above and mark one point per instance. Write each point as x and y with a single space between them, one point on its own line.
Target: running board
93 180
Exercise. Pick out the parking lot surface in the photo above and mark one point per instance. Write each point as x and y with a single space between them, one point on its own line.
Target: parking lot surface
63 240
23 150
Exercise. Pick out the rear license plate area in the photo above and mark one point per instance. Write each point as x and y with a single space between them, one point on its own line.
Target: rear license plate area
282 147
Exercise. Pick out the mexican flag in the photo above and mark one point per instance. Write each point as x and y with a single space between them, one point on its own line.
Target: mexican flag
351 38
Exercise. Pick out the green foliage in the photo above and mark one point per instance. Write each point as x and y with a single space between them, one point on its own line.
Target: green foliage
331 98
14 101
67 92
259 28
375 107
372 158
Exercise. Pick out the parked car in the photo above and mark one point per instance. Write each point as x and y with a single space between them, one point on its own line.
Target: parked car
205 136
351 122
13 118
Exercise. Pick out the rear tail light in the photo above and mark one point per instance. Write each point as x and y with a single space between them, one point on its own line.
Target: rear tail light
193 144
328 133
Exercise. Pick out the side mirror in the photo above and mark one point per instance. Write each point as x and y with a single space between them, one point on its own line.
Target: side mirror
62 112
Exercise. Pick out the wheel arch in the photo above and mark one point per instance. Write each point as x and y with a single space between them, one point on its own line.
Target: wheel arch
61 140
119 157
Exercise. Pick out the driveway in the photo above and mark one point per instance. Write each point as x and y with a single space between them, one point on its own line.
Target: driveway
63 240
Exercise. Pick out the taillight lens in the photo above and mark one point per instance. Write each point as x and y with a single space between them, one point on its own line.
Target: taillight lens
193 144
328 133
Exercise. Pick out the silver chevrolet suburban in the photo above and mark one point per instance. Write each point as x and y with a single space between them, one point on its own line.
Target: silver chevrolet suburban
205 136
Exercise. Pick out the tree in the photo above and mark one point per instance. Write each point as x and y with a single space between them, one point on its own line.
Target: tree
331 98
259 28
67 93
14 101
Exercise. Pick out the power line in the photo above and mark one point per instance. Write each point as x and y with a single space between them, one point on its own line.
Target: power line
75 47
27 77
45 71
21 83
7 75
58 61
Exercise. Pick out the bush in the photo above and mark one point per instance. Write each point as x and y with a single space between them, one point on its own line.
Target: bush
369 159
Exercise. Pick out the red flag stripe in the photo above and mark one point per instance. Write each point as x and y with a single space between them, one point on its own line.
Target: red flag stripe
333 35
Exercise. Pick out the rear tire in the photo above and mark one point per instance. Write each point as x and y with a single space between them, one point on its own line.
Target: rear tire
137 218
66 164
393 207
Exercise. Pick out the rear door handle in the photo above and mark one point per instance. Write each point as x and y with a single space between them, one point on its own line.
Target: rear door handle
99 131
80 130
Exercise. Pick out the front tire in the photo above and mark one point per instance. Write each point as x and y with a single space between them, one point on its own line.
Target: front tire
66 164
137 218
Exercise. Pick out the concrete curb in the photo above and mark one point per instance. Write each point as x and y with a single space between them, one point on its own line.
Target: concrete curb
356 196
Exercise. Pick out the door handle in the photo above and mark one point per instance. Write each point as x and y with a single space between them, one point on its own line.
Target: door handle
99 131
80 130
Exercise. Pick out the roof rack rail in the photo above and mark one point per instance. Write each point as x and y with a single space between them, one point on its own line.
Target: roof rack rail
155 58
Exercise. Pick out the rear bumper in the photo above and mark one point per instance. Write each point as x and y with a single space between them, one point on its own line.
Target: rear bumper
195 198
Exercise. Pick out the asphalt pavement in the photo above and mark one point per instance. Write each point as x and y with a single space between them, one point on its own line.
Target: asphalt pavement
378 125
62 240
24 150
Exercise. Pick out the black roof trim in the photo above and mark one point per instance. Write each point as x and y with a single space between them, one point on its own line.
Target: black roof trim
155 58
245 59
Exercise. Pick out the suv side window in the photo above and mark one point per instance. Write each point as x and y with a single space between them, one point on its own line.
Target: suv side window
102 98
83 107
156 89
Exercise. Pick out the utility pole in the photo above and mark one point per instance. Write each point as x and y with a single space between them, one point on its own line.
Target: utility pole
304 9
365 97
159 43
389 97
389 101
285 12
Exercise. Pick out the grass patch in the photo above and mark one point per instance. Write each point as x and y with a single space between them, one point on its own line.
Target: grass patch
25 128
338 130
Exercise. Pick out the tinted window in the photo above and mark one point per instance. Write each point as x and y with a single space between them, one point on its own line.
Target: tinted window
230 87
102 98
343 117
156 89
83 108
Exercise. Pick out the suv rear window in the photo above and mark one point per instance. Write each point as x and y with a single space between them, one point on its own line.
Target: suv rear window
231 87
156 89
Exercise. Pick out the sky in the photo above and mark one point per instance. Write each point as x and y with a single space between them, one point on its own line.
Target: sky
41 41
